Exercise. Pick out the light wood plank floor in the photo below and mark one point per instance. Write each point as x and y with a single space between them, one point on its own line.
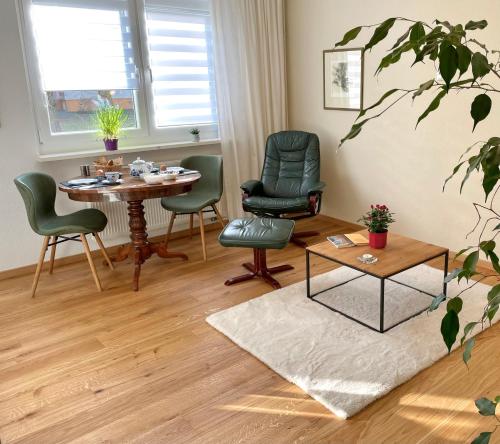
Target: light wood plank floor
123 367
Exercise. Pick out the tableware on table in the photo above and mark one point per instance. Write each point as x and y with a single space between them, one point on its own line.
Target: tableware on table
170 175
367 258
85 170
112 176
152 179
84 181
139 166
108 182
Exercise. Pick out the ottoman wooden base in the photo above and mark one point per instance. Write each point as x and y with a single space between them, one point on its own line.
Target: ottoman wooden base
259 269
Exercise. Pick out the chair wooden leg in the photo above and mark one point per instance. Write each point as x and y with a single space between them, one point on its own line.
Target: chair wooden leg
202 232
170 225
91 262
40 265
219 217
103 250
52 254
191 219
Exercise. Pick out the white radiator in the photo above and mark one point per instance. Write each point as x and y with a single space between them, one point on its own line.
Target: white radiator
157 218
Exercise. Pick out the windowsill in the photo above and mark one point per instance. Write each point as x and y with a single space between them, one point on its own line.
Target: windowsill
124 150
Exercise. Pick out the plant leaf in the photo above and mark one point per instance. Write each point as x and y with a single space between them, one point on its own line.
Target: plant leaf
452 275
355 130
455 304
449 328
474 163
378 102
402 38
380 32
417 32
349 35
455 170
481 24
448 62
432 107
467 329
436 302
482 438
469 344
480 108
471 261
423 87
485 407
464 58
480 65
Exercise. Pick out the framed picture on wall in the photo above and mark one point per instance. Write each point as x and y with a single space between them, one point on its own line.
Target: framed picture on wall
343 79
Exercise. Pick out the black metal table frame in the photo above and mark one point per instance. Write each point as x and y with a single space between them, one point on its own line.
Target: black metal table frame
381 329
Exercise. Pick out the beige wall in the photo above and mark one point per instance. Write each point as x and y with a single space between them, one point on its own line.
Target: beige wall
389 162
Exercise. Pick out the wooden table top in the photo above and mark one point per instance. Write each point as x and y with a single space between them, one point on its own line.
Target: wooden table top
132 189
400 254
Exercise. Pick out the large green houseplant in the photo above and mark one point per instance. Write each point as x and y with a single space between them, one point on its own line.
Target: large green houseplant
463 64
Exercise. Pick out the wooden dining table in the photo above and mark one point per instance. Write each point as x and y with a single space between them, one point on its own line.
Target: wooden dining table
134 191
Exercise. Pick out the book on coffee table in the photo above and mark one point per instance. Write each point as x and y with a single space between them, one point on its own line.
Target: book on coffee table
348 240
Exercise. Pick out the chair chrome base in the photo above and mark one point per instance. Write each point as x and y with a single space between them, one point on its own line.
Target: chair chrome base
259 269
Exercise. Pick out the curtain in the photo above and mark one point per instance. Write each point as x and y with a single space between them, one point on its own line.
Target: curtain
249 51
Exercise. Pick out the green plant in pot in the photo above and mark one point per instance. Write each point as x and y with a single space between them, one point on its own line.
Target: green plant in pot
110 120
465 65
195 132
377 221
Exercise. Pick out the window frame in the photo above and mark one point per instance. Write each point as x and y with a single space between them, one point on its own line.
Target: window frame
146 132
173 131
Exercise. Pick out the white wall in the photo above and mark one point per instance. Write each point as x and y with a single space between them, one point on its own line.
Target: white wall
18 148
389 162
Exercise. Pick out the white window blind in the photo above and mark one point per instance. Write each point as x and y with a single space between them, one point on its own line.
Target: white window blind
180 57
84 45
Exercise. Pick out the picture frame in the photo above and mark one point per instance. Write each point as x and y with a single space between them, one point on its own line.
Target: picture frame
343 78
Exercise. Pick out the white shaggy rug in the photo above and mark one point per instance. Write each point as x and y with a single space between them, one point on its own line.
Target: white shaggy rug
344 365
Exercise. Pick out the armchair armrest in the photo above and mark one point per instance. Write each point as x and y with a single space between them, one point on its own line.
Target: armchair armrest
252 187
315 187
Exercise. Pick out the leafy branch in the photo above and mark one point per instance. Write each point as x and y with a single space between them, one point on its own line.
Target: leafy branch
453 53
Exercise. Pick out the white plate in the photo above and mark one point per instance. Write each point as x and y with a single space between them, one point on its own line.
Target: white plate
108 182
88 181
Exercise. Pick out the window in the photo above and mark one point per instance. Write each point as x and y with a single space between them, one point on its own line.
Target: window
151 58
182 74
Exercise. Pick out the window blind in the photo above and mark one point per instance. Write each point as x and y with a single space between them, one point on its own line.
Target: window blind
180 56
84 45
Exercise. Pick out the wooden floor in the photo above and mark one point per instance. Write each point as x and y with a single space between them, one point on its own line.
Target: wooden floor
123 367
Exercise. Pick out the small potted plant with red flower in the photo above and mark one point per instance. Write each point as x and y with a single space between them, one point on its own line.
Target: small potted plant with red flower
377 220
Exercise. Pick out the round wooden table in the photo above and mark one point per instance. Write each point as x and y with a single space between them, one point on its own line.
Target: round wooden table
134 191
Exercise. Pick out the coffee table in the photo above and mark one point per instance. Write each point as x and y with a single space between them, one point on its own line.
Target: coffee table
400 254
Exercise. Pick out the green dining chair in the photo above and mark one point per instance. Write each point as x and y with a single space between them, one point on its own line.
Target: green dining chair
38 191
205 193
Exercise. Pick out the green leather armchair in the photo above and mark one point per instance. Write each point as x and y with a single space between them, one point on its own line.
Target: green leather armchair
289 186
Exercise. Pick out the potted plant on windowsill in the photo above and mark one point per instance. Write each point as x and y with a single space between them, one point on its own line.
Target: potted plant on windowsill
195 132
377 220
110 120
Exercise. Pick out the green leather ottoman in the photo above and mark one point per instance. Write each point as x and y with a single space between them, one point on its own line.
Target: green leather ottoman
258 234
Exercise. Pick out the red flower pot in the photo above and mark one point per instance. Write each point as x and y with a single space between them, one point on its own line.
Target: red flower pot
377 240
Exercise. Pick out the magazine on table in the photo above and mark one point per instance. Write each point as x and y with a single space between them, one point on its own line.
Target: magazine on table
348 240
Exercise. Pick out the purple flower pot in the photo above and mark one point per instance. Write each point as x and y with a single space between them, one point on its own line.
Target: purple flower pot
111 144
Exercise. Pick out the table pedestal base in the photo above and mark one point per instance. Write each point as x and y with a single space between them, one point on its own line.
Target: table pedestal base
140 248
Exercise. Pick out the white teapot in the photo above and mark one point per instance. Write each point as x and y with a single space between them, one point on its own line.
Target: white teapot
139 166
